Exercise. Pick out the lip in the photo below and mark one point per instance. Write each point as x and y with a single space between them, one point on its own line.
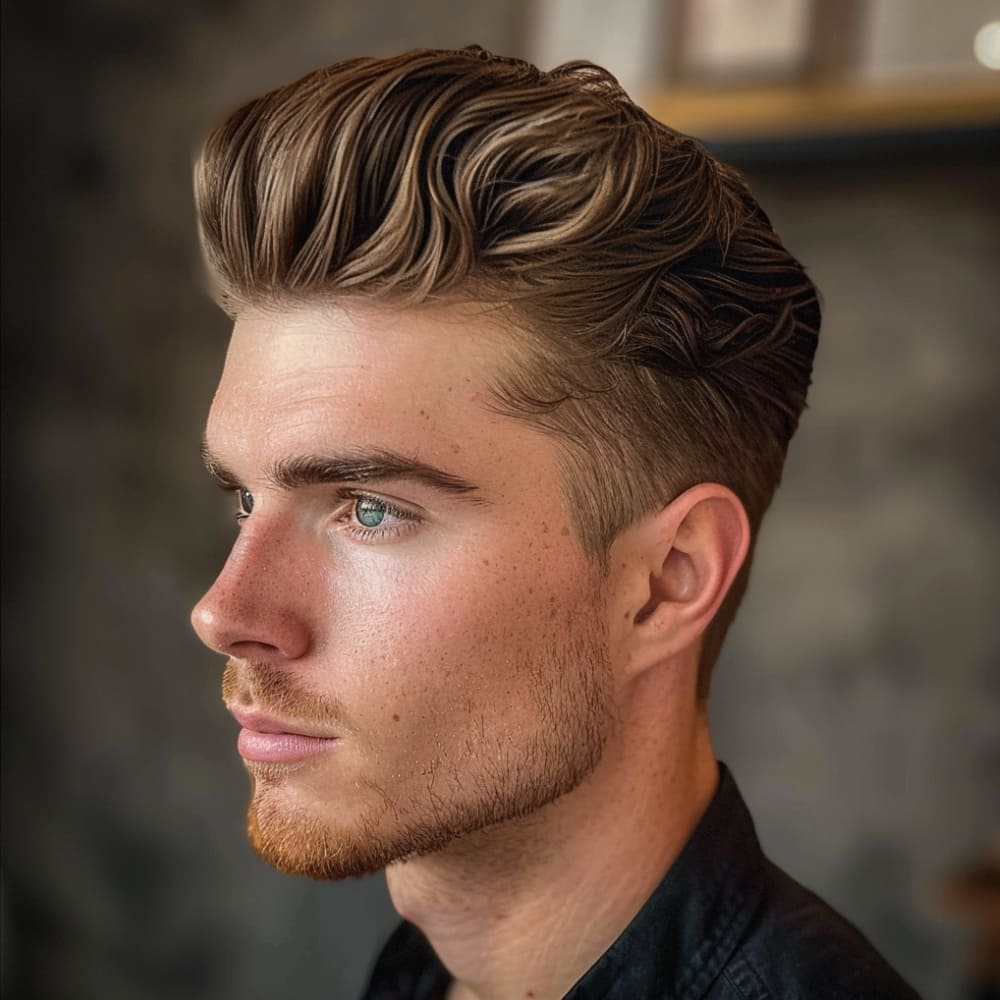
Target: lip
281 748
269 740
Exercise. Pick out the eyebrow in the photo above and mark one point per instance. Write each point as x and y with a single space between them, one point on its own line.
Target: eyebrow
356 466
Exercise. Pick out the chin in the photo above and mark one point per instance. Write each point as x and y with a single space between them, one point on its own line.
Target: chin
298 839
298 843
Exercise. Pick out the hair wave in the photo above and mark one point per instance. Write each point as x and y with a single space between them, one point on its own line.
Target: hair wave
671 334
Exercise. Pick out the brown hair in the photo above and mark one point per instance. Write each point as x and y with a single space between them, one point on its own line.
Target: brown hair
671 334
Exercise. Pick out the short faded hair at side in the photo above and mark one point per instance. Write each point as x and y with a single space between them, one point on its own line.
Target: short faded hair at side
670 335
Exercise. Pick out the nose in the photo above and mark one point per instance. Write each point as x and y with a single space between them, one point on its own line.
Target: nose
256 608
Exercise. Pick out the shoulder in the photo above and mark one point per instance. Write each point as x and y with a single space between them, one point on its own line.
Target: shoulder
797 946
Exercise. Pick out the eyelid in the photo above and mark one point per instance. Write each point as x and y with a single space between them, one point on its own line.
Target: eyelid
405 508
407 518
401 510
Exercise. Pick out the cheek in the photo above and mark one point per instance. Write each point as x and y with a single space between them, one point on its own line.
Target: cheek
423 639
493 606
444 596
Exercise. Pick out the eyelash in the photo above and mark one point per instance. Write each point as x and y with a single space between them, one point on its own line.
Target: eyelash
409 519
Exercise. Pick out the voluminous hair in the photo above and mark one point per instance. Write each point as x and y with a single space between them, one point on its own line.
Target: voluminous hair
670 335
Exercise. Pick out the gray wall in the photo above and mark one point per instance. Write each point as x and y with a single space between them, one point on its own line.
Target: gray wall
857 700
853 704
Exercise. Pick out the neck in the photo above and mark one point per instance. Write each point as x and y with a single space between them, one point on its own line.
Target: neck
524 908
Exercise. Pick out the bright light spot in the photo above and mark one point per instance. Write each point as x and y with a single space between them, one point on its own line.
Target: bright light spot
987 45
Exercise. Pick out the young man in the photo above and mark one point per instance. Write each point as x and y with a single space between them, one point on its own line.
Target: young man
512 377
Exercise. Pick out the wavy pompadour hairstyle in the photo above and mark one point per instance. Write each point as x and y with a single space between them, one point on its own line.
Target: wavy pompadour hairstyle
669 334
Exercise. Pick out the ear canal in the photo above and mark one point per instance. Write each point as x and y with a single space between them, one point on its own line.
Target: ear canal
676 582
654 599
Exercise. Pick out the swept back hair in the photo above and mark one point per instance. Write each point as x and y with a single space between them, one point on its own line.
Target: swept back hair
669 333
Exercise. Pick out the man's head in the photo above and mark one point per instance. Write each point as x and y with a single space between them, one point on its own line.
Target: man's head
456 261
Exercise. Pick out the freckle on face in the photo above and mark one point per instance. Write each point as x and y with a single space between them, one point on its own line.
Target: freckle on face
503 712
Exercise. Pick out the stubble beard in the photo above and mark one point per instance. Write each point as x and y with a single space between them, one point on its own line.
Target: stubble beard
570 689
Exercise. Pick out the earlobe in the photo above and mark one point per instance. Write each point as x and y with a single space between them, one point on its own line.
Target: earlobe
692 550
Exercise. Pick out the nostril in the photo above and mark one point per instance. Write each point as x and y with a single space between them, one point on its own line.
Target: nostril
248 649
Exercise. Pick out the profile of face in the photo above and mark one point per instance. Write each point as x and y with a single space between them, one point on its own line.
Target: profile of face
417 644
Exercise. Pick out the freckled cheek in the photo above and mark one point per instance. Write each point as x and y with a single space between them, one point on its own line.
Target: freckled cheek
464 625
475 604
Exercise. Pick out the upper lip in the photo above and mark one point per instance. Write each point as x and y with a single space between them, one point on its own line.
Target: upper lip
258 722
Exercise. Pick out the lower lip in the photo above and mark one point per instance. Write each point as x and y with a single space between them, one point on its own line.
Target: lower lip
279 748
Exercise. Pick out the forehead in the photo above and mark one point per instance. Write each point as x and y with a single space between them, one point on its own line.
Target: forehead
417 381
379 338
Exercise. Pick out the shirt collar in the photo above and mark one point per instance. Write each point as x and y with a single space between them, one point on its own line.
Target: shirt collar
686 931
675 946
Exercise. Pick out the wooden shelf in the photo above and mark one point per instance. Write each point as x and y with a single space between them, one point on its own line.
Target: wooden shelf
782 112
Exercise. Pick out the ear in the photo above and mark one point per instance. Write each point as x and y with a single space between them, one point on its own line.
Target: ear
674 568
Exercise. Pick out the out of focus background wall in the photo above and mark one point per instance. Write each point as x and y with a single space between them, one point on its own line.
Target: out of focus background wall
857 702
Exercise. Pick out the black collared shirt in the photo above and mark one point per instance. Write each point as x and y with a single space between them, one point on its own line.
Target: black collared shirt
724 924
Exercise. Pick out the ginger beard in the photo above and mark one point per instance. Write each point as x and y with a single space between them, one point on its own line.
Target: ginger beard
466 788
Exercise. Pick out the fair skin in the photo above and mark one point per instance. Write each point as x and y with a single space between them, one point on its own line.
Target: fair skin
433 677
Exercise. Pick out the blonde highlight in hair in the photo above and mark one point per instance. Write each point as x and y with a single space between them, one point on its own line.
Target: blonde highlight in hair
670 335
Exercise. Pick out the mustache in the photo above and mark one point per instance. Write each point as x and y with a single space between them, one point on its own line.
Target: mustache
269 689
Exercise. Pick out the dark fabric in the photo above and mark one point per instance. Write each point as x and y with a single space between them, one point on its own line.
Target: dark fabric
724 924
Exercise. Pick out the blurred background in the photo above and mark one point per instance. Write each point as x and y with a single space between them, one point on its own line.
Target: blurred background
857 701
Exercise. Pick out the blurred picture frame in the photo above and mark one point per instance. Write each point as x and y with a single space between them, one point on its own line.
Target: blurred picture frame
732 43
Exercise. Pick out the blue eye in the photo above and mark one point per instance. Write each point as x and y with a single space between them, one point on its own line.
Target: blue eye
372 519
370 512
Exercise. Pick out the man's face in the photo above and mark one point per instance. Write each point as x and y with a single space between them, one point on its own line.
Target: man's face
413 657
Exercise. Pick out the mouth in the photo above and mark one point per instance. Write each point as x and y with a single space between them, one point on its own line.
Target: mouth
267 740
